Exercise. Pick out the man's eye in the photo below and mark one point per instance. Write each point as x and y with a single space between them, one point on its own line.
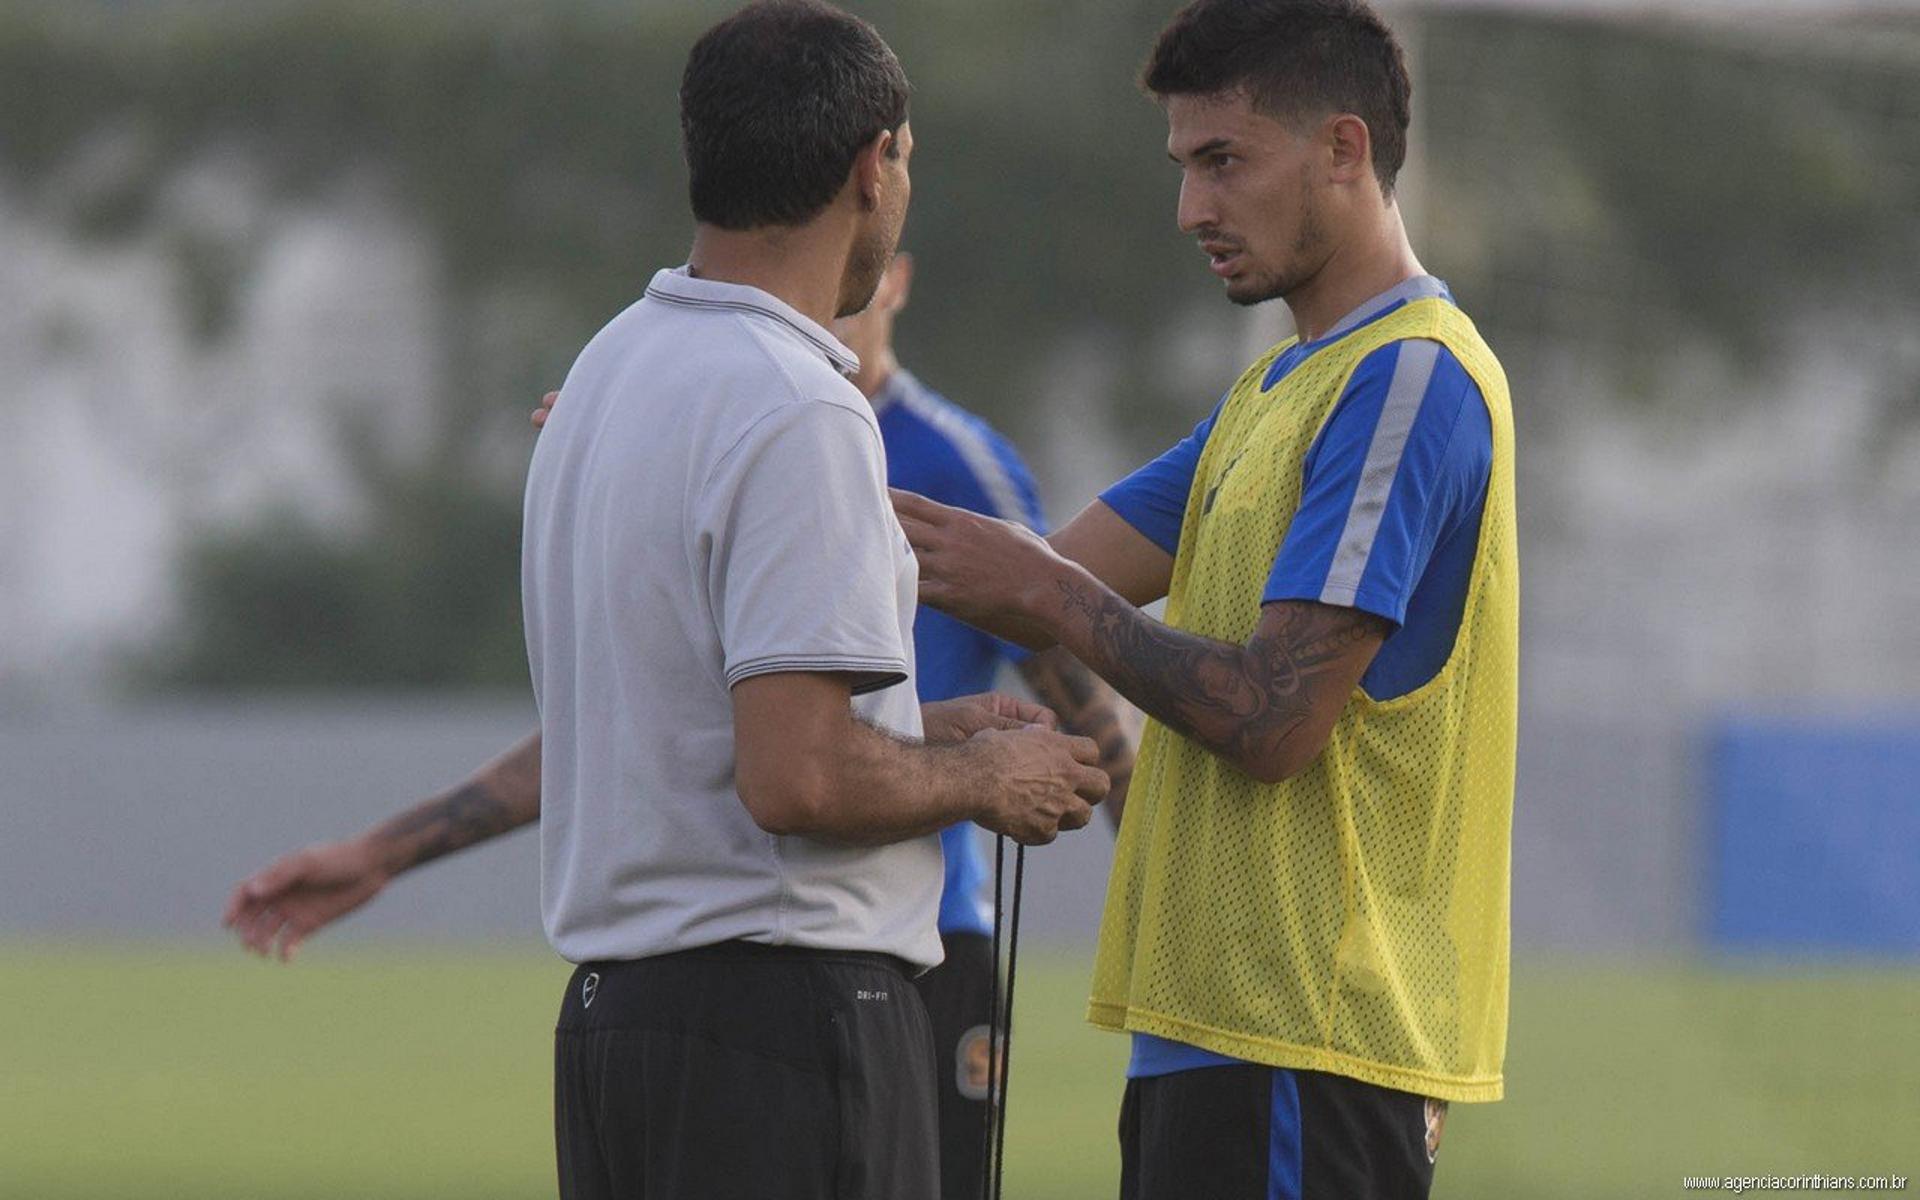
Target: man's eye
1219 161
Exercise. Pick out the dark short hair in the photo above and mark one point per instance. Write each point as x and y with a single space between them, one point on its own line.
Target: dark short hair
776 101
1292 58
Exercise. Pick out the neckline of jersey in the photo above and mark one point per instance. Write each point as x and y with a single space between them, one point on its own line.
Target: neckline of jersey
1420 287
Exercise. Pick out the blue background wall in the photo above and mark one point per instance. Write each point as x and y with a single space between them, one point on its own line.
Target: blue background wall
1814 835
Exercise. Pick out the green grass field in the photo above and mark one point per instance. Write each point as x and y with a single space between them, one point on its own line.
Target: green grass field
195 1072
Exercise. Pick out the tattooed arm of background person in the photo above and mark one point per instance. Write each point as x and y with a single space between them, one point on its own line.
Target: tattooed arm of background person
277 908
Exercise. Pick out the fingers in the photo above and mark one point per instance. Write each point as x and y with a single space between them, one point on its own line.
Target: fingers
260 928
1036 714
236 904
1078 815
257 891
264 886
938 594
933 593
272 932
994 720
1084 750
920 536
1026 712
546 409
1041 836
921 520
912 506
295 933
243 917
979 720
1092 784
254 910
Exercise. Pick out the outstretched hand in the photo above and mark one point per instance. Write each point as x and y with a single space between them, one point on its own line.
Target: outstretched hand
276 909
990 573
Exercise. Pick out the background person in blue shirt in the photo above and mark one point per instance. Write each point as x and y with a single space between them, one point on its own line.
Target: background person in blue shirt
935 448
938 449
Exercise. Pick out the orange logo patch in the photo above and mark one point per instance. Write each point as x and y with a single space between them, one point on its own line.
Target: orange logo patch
1436 1123
970 1059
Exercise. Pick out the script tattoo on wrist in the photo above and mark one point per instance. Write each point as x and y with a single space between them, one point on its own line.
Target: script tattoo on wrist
1239 701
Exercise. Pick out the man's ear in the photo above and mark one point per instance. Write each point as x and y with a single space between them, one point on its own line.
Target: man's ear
1349 145
868 167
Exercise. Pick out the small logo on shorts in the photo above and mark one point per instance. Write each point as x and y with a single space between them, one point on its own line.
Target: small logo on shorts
589 987
970 1058
1436 1122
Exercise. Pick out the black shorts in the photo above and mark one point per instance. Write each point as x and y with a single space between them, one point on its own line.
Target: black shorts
744 1072
959 999
1248 1132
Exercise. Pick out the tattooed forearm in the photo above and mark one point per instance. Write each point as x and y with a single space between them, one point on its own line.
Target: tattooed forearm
1242 702
466 815
500 797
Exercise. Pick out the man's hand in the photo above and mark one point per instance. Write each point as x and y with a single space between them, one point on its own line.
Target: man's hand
958 719
545 410
987 572
1087 705
1044 783
303 893
806 766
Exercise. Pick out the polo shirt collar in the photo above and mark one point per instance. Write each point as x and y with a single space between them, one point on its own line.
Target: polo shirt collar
677 286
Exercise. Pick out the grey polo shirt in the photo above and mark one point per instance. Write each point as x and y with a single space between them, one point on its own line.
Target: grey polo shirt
707 503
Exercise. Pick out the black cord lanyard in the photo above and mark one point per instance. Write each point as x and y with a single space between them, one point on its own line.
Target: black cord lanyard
1000 1023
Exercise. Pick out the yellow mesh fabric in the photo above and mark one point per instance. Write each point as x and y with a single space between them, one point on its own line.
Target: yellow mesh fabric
1352 919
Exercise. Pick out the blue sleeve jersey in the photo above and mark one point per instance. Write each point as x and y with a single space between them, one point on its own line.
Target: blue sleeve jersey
1389 511
1391 498
948 454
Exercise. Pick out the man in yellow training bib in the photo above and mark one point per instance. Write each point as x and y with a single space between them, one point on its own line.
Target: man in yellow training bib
1306 928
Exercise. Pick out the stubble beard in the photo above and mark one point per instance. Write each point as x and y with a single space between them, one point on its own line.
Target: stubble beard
867 265
1301 266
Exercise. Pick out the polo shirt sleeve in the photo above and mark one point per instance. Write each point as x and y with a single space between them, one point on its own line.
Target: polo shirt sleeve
802 549
1154 498
1401 463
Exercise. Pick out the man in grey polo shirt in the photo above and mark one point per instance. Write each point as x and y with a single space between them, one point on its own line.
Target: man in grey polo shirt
739 793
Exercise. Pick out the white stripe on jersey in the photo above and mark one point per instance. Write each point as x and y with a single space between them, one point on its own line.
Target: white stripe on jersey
971 445
1411 375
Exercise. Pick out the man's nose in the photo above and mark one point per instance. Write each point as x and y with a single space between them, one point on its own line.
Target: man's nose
1196 209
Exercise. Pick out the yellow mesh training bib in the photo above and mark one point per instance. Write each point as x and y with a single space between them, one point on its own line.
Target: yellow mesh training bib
1352 919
